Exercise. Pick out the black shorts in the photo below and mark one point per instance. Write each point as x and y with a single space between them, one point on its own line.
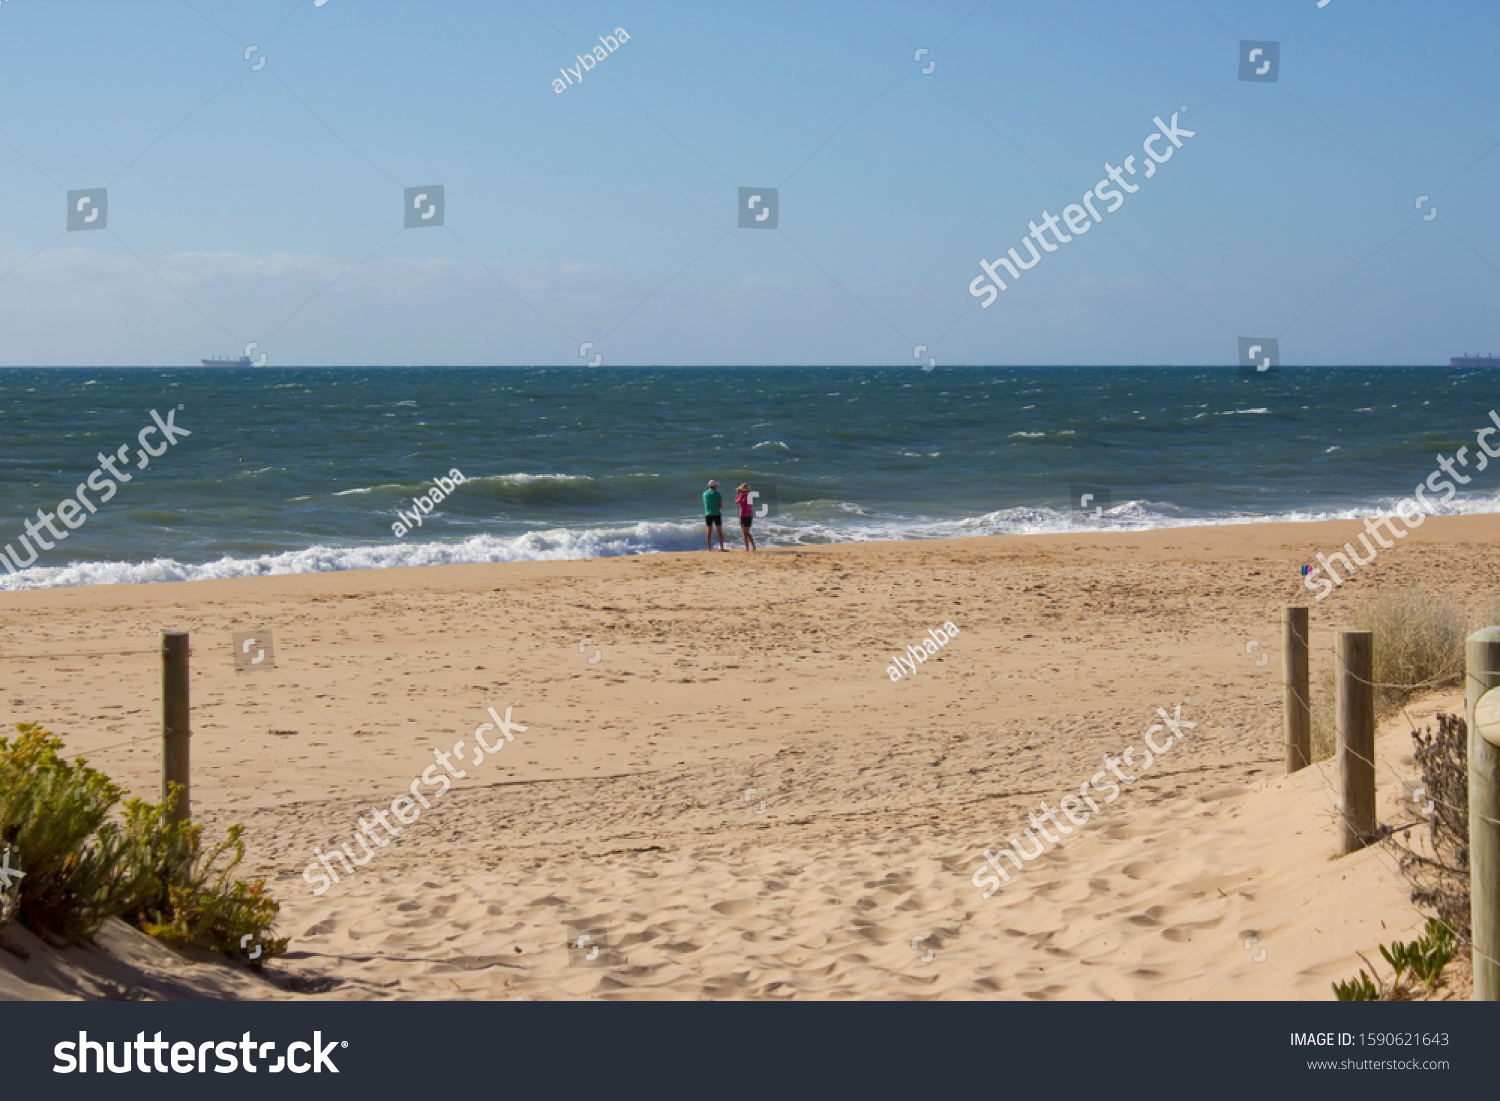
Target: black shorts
745 521
712 520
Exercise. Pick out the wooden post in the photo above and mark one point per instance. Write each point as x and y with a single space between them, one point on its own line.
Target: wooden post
1295 701
1482 663
174 719
1356 728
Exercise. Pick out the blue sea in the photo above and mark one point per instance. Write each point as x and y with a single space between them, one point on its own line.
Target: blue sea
304 470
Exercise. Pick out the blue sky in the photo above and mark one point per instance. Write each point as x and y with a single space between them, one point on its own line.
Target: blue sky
266 205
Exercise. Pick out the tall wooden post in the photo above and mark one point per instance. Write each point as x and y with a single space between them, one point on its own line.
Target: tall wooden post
1482 663
1296 706
175 719
1356 728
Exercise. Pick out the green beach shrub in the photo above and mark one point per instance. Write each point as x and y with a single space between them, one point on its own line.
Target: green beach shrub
81 865
1358 990
1423 959
192 898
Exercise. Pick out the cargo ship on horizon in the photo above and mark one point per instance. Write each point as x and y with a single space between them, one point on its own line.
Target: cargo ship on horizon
227 361
1475 361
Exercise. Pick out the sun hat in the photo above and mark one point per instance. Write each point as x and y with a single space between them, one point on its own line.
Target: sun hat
712 484
743 486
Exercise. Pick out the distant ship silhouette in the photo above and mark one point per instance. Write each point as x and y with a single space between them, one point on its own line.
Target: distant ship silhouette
1475 361
227 361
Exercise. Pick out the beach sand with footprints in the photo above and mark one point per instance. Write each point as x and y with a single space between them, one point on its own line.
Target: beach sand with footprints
722 788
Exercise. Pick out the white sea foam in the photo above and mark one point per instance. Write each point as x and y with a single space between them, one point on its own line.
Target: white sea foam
553 545
1230 413
1131 515
821 523
528 479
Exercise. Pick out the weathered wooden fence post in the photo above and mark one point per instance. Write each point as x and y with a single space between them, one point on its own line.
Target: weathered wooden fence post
1296 703
1356 729
1482 665
175 716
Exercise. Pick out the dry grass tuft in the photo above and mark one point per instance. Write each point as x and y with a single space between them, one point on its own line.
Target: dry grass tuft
1419 638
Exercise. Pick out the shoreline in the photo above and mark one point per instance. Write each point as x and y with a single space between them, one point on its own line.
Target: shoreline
1454 529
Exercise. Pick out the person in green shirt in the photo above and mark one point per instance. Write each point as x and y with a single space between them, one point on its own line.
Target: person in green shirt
712 514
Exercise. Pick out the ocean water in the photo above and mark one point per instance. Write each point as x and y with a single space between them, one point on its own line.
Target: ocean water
299 470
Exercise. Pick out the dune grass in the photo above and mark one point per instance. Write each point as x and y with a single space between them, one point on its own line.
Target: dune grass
1419 638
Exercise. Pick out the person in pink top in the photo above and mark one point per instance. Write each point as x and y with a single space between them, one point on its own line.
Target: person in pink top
747 514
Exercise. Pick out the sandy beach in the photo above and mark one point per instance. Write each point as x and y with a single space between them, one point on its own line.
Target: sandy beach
719 780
